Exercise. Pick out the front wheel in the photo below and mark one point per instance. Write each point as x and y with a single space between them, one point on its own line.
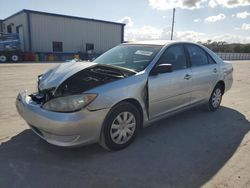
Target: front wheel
3 58
215 98
120 127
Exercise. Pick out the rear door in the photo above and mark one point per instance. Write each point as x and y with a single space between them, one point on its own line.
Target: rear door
170 91
204 72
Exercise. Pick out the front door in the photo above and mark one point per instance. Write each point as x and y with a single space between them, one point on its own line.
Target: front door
170 91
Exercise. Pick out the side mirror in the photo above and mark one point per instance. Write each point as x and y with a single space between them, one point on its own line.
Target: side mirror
161 68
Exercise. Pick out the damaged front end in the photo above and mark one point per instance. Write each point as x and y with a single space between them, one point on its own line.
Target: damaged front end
67 94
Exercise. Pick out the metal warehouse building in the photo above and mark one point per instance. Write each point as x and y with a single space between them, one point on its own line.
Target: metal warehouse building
47 32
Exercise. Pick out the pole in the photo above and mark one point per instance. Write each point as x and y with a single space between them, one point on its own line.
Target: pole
172 31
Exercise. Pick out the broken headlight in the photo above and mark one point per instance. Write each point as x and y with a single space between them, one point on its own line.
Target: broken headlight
69 103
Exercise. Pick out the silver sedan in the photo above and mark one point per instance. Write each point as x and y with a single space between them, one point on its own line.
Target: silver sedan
110 99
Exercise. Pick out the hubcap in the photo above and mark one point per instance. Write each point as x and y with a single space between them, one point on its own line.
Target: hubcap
123 128
216 98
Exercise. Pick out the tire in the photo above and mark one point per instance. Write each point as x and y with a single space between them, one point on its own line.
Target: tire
3 58
14 58
118 133
215 98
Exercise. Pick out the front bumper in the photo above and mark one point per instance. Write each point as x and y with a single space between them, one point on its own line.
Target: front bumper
62 129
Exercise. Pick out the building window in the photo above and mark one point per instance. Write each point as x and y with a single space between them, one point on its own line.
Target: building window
9 29
89 47
57 46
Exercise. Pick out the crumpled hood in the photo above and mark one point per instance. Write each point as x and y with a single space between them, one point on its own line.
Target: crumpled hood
55 76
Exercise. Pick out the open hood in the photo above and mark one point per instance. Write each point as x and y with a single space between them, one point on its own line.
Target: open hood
55 76
75 78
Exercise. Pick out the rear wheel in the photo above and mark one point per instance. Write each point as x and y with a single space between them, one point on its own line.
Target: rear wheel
120 127
215 98
3 58
14 58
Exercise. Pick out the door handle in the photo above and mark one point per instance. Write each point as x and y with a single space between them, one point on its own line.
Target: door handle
215 70
187 76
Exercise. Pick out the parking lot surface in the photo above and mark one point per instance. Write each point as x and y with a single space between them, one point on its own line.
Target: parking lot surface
195 148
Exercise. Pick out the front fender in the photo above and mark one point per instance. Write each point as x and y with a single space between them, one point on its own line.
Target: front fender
110 94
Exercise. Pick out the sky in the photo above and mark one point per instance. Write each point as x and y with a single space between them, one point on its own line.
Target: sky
195 20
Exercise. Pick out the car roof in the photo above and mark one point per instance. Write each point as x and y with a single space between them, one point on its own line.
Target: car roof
157 42
169 42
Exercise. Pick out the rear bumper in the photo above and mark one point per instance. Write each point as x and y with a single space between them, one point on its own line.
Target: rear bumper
62 129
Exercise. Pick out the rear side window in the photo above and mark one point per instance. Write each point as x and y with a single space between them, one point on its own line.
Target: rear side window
174 55
198 56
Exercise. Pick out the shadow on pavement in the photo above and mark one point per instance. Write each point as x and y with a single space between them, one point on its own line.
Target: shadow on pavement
185 150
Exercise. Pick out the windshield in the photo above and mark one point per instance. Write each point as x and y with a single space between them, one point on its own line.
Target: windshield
135 57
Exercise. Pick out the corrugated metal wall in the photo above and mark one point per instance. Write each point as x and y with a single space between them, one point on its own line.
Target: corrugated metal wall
74 33
20 19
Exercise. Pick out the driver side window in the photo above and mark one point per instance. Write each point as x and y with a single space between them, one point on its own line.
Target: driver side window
175 56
